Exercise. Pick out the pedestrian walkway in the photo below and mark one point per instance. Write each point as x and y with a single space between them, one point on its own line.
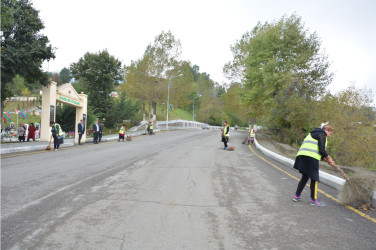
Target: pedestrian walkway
14 146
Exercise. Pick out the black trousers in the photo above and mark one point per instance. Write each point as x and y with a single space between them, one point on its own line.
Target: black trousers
95 137
303 181
225 140
79 138
100 136
56 142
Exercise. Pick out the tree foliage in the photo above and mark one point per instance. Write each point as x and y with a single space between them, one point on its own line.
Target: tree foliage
148 78
65 75
354 139
280 66
99 73
23 47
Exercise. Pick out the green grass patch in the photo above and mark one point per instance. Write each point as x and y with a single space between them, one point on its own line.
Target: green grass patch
173 114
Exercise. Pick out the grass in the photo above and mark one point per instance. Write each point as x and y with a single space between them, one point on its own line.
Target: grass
173 114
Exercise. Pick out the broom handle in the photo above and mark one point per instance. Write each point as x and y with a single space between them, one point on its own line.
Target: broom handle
342 173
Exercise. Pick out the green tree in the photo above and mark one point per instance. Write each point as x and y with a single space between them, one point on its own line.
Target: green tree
354 140
281 63
65 75
66 117
147 78
23 47
18 85
99 73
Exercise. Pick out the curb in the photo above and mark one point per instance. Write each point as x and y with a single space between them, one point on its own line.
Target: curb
65 144
38 147
330 180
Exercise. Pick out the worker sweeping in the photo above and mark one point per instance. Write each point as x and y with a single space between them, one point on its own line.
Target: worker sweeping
312 150
225 134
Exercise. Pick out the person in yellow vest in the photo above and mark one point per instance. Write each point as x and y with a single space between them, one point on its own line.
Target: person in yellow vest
225 134
57 134
312 150
251 135
122 133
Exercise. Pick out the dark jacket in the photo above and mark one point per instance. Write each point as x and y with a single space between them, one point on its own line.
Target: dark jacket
308 165
81 128
95 129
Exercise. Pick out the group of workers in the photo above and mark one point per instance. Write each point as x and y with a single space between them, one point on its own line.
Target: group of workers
312 150
58 135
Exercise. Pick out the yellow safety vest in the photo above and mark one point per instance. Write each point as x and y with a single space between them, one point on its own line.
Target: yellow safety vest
60 131
151 126
121 131
252 133
310 147
224 131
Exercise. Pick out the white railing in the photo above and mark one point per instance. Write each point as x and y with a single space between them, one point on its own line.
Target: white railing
326 178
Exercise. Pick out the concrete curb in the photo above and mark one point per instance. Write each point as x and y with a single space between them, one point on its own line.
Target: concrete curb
30 148
67 143
331 180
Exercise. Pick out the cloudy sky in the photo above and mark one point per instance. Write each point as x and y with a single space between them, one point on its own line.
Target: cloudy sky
207 28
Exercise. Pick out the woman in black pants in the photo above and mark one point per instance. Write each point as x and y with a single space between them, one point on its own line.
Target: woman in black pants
312 150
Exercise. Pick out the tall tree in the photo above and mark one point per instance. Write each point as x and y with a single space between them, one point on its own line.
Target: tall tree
100 73
65 75
148 78
280 62
23 47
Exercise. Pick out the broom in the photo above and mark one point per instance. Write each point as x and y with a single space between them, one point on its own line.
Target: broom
49 145
359 189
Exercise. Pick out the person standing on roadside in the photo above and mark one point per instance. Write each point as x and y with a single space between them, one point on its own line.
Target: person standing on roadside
81 131
21 133
7 131
151 127
96 132
31 134
121 133
58 135
312 150
100 131
225 134
251 135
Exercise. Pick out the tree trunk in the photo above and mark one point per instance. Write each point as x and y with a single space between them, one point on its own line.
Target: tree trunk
154 109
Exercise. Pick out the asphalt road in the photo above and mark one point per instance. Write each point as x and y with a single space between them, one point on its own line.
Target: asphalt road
173 190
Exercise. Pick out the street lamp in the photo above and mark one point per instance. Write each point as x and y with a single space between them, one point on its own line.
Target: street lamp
168 96
194 105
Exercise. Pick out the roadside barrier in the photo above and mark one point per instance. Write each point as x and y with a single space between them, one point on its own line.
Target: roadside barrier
331 180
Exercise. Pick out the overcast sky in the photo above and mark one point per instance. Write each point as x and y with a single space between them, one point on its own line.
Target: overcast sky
206 30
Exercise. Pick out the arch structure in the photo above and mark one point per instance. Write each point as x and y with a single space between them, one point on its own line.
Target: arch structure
65 94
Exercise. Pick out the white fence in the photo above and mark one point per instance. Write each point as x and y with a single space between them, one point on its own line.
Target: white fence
182 124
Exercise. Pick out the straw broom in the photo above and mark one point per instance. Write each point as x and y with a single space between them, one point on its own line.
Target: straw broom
359 189
49 145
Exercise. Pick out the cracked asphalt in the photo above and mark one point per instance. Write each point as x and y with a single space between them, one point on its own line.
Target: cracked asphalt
173 190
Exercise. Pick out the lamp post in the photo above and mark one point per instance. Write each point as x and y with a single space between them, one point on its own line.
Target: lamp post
194 105
168 101
168 96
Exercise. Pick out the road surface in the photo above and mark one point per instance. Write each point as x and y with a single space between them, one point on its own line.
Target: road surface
172 190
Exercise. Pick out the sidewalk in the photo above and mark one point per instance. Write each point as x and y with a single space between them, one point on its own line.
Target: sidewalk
15 146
